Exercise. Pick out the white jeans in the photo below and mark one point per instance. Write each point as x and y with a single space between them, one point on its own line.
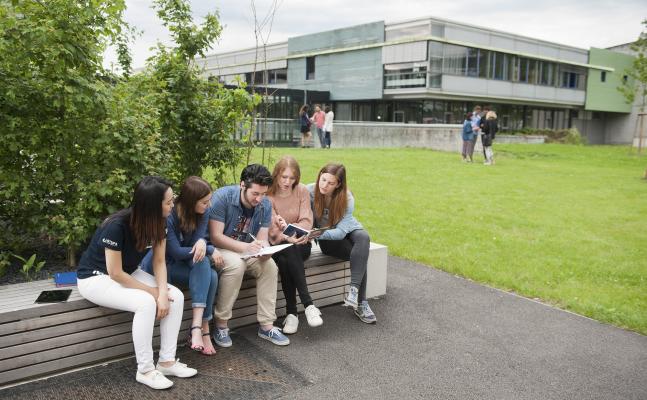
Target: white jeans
103 291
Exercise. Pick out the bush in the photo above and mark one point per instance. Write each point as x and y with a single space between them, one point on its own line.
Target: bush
77 138
564 136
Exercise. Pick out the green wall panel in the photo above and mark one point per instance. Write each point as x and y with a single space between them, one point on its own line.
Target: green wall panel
604 96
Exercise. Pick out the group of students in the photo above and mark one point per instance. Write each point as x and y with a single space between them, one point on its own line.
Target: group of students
200 238
483 124
323 124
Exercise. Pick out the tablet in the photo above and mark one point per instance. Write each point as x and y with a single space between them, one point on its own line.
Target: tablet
291 229
53 296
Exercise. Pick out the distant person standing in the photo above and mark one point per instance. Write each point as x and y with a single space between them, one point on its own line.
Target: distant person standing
481 124
304 121
476 129
468 138
319 118
328 126
490 128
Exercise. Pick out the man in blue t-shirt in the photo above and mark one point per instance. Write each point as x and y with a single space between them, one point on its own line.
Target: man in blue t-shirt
239 221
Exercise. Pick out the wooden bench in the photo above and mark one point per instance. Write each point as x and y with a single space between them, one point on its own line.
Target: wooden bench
42 339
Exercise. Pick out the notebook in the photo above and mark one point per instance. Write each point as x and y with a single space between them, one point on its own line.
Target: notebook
63 279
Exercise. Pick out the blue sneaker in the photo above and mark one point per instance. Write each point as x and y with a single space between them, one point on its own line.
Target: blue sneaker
365 314
222 338
351 297
274 335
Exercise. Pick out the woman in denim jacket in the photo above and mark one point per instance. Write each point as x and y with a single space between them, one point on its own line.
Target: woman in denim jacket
332 206
188 258
468 138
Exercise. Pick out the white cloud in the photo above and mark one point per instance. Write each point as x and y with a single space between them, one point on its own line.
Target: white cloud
579 23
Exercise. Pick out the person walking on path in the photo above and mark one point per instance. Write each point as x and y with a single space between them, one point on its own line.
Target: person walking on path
305 123
108 276
468 138
291 205
490 128
330 116
319 118
188 258
240 218
333 205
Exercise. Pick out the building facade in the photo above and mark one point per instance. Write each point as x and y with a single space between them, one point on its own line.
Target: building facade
431 71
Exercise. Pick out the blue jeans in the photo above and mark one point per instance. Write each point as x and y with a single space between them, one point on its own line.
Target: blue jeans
201 279
322 139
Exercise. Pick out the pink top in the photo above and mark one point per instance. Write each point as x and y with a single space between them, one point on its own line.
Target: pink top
319 118
295 209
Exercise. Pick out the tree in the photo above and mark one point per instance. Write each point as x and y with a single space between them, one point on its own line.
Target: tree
636 85
52 106
198 116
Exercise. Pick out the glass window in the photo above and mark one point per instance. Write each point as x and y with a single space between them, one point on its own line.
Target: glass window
277 76
435 64
498 65
532 71
454 60
310 68
523 69
603 76
472 62
547 71
484 64
405 75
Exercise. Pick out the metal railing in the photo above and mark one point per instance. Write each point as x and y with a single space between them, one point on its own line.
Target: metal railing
276 131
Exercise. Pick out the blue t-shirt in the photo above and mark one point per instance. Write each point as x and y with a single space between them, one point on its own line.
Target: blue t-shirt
114 235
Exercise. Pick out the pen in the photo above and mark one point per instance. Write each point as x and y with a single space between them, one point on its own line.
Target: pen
254 238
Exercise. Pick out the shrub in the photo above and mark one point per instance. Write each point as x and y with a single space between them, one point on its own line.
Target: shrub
564 136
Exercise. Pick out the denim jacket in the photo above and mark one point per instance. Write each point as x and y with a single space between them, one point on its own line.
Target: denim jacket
346 225
468 133
226 208
179 245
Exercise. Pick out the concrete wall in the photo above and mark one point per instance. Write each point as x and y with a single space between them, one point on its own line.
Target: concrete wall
347 75
375 135
433 136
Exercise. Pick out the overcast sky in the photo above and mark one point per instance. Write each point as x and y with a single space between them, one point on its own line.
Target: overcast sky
579 23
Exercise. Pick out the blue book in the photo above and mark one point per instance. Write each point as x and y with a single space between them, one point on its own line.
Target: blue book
63 279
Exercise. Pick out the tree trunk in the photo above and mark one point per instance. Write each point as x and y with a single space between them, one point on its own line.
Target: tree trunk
71 256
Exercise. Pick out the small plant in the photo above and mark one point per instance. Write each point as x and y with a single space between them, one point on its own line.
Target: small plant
4 263
29 265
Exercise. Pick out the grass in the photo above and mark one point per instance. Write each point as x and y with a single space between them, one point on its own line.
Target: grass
563 224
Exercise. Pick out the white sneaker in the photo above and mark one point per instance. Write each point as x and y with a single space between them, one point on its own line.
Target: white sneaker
290 324
154 379
178 369
314 316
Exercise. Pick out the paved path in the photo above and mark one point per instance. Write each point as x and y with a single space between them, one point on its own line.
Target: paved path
437 337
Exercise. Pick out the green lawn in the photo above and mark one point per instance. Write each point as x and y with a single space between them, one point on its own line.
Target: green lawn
565 224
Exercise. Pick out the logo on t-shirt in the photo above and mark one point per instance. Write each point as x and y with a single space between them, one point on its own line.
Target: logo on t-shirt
109 242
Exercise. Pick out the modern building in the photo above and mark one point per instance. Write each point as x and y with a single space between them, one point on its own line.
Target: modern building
431 70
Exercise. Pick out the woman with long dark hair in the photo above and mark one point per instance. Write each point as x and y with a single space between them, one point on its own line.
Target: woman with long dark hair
108 276
305 123
188 257
333 205
291 205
